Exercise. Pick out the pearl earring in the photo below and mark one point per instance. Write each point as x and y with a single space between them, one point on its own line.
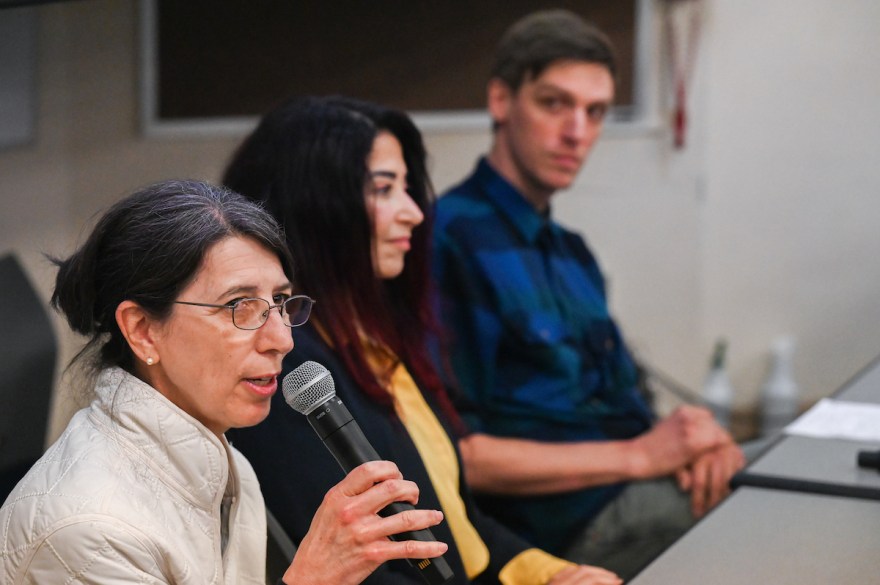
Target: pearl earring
149 361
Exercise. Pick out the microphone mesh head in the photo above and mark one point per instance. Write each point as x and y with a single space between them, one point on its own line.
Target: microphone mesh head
307 387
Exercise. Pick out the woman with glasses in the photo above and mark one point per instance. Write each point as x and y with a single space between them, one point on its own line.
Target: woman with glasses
347 181
185 293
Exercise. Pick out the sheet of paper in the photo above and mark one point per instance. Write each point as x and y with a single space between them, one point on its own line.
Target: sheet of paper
839 419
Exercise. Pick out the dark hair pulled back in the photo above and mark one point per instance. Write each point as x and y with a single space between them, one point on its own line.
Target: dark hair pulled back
147 248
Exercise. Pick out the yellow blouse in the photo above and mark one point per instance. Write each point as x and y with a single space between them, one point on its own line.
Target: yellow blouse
530 567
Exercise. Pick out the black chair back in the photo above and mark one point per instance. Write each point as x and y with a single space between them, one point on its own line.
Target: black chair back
28 349
279 549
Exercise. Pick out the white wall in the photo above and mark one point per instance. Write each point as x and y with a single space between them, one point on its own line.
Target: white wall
765 224
792 219
87 151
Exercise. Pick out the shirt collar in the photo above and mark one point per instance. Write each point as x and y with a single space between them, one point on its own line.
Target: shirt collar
510 203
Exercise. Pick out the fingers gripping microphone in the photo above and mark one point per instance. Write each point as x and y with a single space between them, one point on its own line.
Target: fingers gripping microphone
309 390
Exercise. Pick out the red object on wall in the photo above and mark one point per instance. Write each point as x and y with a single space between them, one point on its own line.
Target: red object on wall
682 28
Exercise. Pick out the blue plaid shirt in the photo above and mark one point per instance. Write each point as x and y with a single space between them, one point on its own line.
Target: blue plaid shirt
533 347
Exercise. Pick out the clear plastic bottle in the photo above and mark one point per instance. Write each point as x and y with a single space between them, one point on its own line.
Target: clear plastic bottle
780 393
717 390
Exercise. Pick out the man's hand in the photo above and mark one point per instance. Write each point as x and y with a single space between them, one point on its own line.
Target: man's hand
677 441
708 476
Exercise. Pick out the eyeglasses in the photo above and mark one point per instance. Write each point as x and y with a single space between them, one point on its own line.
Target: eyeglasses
252 313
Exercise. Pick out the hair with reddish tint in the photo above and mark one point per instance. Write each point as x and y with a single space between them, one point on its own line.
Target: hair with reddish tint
306 162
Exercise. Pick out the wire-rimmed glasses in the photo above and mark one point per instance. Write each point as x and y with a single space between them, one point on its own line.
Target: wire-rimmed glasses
252 313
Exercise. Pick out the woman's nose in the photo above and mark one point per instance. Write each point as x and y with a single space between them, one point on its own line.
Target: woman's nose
275 335
410 211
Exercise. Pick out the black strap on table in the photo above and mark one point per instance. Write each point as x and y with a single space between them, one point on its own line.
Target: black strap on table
744 478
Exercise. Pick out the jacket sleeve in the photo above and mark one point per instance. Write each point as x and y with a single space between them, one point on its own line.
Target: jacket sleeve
95 550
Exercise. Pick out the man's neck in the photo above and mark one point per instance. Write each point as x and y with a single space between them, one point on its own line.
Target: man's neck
538 196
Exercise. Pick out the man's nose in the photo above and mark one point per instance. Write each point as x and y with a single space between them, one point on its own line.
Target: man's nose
577 126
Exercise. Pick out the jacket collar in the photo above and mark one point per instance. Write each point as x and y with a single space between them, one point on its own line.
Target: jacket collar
180 449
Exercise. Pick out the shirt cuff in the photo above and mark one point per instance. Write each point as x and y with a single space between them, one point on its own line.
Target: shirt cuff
532 567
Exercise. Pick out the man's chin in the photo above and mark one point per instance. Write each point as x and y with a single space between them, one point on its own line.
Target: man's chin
560 181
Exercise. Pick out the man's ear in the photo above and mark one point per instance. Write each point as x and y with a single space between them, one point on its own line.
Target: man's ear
138 328
499 96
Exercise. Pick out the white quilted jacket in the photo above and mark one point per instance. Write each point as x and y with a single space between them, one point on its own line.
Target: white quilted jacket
131 493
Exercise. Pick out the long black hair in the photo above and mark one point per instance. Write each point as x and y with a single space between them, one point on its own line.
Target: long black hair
307 163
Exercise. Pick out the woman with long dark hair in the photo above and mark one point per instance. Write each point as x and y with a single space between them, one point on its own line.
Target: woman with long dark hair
348 182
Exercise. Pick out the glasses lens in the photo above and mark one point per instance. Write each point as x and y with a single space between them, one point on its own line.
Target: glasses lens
250 313
296 310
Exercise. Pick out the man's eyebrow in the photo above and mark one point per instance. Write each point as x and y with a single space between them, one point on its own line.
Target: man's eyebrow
549 85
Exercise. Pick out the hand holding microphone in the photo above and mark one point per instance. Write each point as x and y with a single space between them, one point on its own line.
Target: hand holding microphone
310 390
347 541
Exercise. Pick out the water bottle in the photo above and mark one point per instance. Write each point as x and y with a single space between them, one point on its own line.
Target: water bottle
717 390
780 392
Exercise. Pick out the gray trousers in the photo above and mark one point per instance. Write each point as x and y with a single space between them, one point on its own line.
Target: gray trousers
634 528
644 520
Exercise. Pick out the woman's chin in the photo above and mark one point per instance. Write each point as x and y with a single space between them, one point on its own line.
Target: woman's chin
252 415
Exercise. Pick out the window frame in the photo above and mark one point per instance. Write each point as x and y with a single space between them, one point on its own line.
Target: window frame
640 117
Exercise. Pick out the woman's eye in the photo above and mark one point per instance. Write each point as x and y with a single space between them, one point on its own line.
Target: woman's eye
280 298
381 190
234 302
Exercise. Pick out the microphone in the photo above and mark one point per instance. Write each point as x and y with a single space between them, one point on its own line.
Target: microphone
309 390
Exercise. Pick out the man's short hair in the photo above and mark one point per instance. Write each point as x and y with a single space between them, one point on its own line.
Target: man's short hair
541 38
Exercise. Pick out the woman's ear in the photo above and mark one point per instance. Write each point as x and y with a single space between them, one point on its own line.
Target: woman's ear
138 328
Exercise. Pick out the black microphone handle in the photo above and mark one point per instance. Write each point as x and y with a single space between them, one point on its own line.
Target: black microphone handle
346 441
